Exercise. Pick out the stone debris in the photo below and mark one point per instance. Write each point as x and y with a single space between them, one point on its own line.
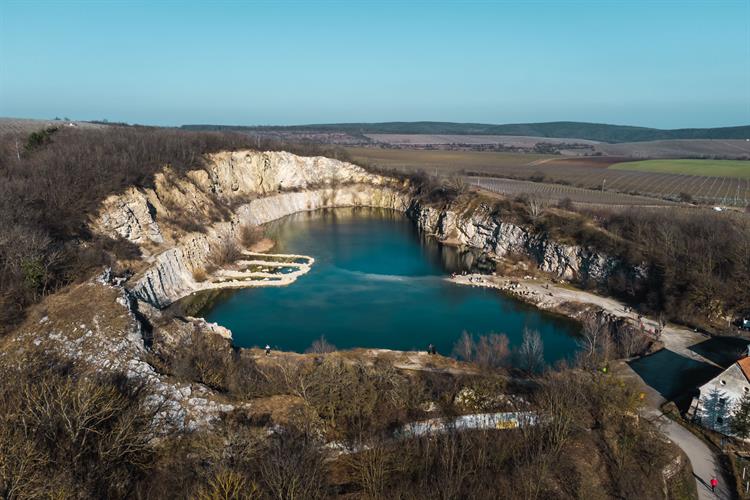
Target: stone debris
112 340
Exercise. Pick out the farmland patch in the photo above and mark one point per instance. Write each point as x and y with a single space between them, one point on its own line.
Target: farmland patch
710 168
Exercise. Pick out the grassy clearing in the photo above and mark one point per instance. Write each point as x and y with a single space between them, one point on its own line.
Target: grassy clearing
711 168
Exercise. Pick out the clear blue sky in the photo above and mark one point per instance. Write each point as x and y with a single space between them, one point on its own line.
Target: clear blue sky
656 63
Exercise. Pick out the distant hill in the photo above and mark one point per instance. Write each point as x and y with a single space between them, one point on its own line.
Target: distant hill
579 130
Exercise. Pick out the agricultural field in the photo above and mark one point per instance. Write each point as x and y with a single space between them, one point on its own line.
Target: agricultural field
23 126
704 168
496 143
675 148
557 192
448 162
590 172
679 148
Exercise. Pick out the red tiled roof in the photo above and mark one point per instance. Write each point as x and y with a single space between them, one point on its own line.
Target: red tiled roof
744 365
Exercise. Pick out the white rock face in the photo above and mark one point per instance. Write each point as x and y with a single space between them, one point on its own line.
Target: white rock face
262 187
483 231
129 216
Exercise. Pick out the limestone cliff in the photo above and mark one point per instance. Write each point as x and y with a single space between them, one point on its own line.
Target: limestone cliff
480 229
176 222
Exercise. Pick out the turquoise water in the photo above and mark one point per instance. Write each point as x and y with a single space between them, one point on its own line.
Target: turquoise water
376 283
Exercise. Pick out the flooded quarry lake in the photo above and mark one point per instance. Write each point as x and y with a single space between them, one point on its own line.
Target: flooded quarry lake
376 282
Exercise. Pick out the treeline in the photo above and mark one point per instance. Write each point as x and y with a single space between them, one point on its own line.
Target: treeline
696 263
693 265
52 180
576 130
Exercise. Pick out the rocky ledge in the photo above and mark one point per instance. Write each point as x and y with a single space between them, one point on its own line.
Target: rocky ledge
252 188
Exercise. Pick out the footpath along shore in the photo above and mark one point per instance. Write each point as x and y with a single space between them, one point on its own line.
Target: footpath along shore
574 303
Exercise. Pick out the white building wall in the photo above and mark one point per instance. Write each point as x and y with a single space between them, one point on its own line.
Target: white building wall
719 397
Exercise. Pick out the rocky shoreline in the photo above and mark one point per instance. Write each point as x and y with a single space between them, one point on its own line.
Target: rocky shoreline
545 294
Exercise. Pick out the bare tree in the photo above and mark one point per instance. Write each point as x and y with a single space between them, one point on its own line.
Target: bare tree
464 347
250 235
224 252
561 400
630 340
595 338
293 468
535 206
492 350
458 184
531 352
372 467
321 346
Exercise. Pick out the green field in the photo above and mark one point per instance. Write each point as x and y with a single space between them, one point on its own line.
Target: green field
713 168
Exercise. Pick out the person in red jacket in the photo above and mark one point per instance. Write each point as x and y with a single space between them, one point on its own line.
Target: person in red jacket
714 484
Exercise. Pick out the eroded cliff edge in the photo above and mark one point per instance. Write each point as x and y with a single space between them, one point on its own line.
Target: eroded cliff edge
176 223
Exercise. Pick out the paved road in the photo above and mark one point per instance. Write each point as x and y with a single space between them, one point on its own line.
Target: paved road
704 461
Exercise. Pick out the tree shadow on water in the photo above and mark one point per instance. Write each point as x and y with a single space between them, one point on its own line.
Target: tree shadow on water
673 376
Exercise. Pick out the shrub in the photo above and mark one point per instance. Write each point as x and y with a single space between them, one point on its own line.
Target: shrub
224 252
686 197
64 433
321 346
250 235
200 275
566 204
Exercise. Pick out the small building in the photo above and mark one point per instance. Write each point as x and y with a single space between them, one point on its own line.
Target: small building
719 397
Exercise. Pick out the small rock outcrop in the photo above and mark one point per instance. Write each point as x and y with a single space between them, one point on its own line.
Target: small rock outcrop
95 325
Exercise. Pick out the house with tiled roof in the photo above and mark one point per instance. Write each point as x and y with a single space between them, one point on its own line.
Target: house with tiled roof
720 396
